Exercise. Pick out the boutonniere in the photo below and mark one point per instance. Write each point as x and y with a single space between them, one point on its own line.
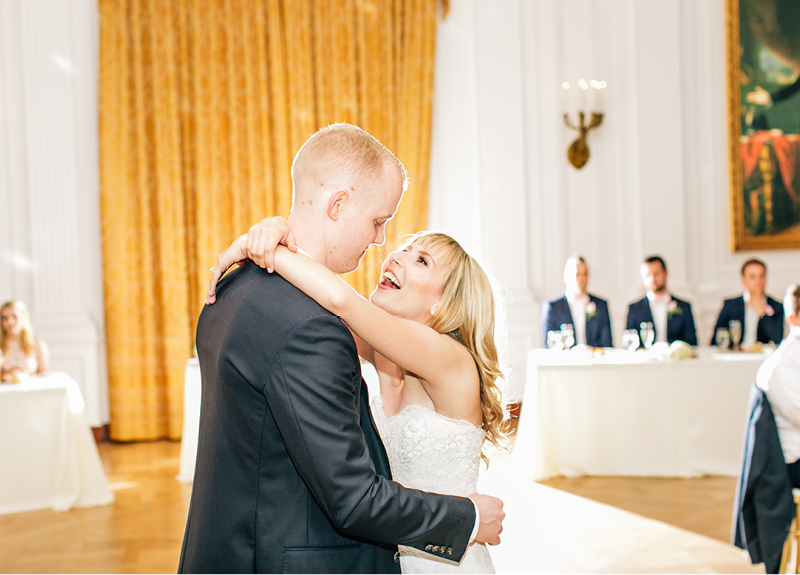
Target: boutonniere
591 310
673 309
770 312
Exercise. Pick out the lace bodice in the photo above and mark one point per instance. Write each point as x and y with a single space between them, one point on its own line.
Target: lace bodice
435 453
430 451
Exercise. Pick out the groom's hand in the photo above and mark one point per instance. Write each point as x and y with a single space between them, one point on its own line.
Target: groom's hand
491 518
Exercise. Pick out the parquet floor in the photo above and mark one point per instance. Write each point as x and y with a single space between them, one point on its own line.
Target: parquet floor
141 532
703 505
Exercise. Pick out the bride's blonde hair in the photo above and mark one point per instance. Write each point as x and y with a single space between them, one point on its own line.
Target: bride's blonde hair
466 312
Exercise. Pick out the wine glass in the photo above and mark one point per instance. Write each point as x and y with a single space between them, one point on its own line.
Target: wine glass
648 333
723 338
554 340
630 339
735 327
568 335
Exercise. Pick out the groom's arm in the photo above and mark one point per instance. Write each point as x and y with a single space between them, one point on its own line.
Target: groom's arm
313 401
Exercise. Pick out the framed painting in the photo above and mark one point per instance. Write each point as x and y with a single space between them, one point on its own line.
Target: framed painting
763 45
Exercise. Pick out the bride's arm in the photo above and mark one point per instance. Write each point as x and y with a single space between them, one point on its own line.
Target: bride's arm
415 347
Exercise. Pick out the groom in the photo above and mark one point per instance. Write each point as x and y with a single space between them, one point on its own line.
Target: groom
291 474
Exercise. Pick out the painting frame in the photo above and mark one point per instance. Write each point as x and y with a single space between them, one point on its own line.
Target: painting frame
751 208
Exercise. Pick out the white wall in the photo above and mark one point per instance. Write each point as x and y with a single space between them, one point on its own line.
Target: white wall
657 179
49 195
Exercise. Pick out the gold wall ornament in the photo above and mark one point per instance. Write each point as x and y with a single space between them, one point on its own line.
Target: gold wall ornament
578 151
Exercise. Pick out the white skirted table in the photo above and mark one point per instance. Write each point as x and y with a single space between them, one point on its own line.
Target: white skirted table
48 454
192 386
628 414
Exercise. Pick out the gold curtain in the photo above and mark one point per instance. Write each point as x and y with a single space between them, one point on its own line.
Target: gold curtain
203 104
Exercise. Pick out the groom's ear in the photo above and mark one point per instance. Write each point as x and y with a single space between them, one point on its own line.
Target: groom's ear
335 203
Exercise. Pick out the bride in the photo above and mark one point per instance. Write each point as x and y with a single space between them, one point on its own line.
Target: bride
429 332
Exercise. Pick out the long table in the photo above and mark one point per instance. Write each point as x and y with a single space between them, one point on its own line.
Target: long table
48 455
628 414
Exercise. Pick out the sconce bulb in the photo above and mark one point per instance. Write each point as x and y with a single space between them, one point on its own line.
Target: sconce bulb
582 83
565 85
603 84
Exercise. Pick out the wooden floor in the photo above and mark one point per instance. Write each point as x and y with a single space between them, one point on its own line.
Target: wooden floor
142 531
703 505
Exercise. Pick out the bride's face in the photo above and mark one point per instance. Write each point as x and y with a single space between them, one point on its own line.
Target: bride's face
412 280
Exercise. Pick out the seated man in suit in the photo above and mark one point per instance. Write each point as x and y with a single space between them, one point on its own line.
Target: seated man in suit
779 378
671 318
588 314
761 317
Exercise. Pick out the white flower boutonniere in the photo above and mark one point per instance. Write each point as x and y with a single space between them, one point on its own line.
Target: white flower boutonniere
673 309
591 310
770 312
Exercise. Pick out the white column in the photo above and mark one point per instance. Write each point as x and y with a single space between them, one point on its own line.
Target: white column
50 194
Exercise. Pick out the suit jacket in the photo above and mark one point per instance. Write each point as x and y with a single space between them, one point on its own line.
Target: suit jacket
763 507
770 327
291 474
680 323
598 326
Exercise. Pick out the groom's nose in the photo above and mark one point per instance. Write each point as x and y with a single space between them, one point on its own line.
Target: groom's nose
380 238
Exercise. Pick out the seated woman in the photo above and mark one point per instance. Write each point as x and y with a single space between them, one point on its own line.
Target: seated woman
23 354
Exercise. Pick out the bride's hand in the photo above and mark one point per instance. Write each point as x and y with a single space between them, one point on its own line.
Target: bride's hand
264 237
258 245
237 252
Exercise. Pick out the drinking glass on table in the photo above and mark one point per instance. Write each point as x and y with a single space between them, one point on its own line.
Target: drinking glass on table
630 339
554 340
567 335
723 338
735 327
648 333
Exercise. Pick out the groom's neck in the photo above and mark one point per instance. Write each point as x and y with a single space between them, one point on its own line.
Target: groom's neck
307 237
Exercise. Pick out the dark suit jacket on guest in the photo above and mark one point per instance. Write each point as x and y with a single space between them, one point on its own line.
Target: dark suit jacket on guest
680 323
598 326
291 474
770 327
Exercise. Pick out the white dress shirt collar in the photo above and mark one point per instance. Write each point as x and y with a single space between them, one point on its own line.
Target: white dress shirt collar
658 309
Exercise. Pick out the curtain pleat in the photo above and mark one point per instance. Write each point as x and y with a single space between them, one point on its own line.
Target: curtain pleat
203 104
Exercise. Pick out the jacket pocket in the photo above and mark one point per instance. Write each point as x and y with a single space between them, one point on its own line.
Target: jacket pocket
342 559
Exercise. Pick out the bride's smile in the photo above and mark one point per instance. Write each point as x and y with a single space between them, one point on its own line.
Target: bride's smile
412 280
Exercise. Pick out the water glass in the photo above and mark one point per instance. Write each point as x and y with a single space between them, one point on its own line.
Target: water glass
735 327
567 335
648 334
554 340
723 338
630 339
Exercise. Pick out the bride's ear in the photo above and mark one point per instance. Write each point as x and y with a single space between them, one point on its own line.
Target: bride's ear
433 308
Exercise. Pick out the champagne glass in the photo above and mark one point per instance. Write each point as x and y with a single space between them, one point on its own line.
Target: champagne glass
723 338
568 335
735 327
648 334
554 340
630 339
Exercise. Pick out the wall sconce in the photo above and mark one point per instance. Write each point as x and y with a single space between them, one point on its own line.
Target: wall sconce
578 151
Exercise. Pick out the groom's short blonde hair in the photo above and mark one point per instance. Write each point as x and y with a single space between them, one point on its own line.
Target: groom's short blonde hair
342 155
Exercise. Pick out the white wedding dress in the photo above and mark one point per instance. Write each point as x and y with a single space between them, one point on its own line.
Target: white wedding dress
434 453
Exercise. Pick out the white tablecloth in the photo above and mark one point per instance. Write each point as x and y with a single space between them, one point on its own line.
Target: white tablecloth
191 420
621 415
48 455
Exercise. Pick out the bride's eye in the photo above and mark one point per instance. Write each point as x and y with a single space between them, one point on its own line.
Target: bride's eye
423 261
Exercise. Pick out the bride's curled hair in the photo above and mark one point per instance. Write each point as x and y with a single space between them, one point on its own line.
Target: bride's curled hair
466 312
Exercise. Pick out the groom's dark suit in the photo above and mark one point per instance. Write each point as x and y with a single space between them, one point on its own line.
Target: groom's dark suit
291 474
